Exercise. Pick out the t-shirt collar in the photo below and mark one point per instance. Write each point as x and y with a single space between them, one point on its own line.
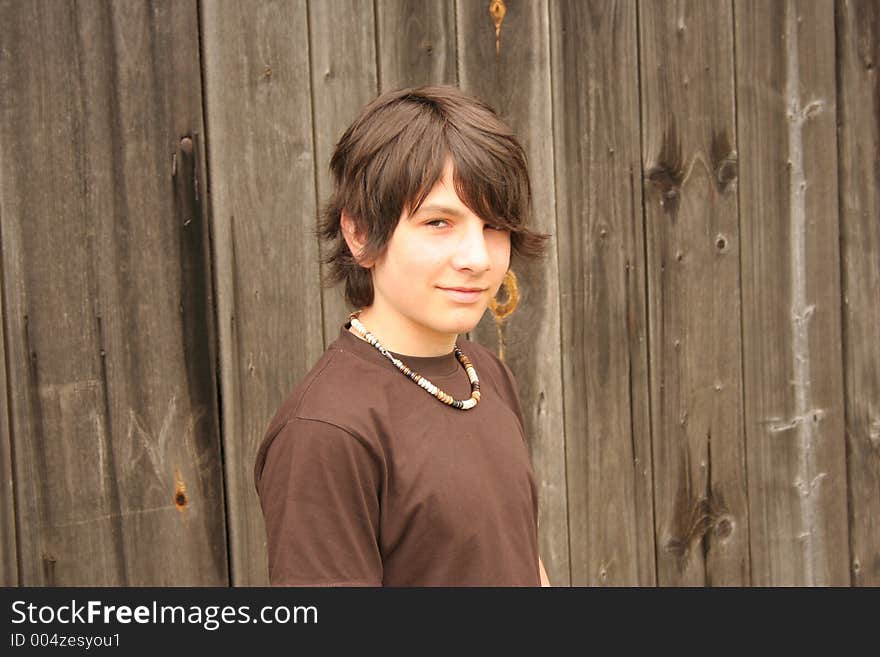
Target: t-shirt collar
427 366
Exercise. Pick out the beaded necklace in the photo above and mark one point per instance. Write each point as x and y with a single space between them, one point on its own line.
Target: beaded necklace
430 388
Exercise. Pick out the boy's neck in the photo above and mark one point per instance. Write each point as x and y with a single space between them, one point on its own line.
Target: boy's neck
398 339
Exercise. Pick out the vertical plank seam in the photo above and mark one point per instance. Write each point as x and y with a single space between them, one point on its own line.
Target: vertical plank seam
235 383
638 40
35 462
376 46
742 351
208 214
631 384
553 161
7 420
457 48
838 89
315 174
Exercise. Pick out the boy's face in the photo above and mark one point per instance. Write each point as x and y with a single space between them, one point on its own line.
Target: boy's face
444 245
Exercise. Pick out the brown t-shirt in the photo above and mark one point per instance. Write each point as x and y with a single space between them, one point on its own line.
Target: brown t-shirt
365 479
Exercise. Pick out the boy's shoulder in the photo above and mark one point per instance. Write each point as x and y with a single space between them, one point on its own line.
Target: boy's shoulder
332 378
317 395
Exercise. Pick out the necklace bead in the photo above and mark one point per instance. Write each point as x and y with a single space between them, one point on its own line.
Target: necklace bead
461 404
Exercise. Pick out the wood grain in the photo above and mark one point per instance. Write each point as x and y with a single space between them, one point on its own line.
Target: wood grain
858 56
693 247
107 290
794 405
602 292
415 43
697 354
8 551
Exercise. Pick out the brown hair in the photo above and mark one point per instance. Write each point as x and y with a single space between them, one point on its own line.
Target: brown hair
393 154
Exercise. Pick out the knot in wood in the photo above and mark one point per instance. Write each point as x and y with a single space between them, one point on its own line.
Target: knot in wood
724 527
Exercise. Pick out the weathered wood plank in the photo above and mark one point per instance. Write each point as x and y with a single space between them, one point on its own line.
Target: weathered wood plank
264 211
107 296
415 43
858 34
791 293
344 79
512 73
8 555
602 292
693 246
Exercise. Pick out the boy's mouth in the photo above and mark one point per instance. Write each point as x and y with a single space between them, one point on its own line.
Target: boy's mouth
463 294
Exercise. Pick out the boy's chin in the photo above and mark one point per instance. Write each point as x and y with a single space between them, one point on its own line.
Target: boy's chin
462 326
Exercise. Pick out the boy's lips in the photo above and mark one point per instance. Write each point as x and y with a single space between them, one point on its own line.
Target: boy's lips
464 295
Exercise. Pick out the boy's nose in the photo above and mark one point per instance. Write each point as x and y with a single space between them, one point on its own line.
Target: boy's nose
472 252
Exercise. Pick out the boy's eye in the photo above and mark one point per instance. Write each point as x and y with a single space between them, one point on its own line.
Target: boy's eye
432 223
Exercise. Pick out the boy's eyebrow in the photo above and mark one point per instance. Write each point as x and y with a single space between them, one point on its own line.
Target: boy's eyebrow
442 209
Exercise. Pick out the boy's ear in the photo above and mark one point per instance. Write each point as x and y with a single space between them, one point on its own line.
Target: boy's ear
353 238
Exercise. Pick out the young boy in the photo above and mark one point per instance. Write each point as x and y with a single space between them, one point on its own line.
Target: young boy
401 459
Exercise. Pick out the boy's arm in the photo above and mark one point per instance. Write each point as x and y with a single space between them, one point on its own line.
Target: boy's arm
545 581
319 495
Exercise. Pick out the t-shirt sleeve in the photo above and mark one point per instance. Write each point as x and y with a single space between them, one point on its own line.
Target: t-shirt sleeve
319 491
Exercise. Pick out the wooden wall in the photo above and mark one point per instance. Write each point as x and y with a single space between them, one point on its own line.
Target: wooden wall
697 355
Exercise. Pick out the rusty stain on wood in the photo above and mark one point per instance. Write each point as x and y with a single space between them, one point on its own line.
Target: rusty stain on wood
504 309
497 9
180 499
500 311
